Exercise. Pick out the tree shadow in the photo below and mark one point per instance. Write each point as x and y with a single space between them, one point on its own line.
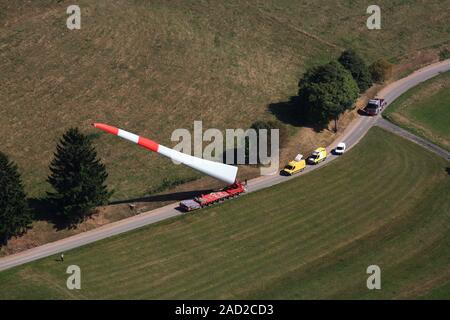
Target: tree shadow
361 112
43 210
175 196
448 170
292 112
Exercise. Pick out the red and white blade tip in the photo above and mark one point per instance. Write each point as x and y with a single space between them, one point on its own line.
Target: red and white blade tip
107 128
221 171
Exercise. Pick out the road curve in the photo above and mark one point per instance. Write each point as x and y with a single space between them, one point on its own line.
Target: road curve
352 135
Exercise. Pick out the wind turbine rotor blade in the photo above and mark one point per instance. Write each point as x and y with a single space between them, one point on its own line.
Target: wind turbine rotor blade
220 171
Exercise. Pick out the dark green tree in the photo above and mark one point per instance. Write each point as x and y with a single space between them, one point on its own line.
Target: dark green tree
326 91
15 215
78 178
358 68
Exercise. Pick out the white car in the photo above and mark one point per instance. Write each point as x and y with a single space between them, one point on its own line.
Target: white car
340 148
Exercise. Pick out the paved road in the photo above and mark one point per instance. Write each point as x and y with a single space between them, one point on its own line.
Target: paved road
389 126
352 135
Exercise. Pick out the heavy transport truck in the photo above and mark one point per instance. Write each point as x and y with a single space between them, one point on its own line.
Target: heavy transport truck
220 171
212 198
374 107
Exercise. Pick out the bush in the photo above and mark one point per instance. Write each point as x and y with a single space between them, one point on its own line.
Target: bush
271 124
381 70
244 148
257 126
444 54
358 68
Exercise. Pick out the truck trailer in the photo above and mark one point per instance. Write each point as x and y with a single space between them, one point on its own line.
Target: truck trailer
212 198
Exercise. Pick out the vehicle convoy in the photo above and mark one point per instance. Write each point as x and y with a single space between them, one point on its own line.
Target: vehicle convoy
318 155
209 199
374 106
295 166
221 171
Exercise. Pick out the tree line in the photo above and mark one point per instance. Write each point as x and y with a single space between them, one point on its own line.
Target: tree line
328 90
78 181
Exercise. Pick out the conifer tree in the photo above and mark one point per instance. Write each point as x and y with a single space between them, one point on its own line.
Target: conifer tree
78 177
15 215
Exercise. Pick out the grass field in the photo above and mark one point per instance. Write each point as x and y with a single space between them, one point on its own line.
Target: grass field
385 202
154 66
425 110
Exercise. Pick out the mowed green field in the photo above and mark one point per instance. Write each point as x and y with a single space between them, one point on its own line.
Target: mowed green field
386 202
155 66
425 110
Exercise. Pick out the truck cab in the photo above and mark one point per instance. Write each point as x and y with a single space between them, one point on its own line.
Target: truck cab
374 107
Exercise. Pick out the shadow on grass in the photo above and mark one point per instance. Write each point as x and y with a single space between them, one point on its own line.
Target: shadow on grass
361 112
291 112
448 170
176 196
43 210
